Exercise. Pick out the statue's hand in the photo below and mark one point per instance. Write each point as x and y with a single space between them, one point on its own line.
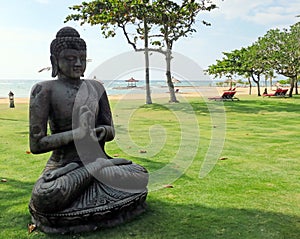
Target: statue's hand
56 173
85 116
98 134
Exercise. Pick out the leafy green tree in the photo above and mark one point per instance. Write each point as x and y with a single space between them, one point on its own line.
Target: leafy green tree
175 19
255 64
284 82
227 65
250 62
136 19
277 51
282 50
127 15
244 62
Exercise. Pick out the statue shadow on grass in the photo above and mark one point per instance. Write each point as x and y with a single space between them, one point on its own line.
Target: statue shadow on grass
163 219
175 220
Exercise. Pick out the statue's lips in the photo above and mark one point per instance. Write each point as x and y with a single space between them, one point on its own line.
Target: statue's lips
78 70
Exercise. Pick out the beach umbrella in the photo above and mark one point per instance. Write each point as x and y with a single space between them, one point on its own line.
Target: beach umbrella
131 82
174 80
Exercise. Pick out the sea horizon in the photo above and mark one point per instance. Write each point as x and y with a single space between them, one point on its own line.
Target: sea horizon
21 88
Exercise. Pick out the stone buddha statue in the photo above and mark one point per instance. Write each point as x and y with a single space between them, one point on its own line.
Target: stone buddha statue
81 188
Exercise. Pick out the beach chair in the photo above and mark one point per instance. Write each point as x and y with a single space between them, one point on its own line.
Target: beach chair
226 96
283 92
278 93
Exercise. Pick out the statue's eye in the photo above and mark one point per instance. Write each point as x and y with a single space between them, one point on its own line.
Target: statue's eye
71 58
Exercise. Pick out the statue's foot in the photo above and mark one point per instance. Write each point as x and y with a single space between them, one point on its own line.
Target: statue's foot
120 161
103 163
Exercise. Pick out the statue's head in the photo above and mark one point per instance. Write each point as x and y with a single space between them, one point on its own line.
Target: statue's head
68 53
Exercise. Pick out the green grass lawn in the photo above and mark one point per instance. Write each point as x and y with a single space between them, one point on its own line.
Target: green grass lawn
253 193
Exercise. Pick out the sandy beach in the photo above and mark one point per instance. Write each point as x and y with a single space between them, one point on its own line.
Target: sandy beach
213 91
17 100
184 91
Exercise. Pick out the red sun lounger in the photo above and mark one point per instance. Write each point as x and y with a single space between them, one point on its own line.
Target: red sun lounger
227 95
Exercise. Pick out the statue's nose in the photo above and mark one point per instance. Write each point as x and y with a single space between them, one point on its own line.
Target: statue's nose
78 62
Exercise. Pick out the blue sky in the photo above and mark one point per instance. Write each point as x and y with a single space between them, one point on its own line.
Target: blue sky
28 26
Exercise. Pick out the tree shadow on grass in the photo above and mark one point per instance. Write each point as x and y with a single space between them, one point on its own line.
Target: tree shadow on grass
196 105
162 219
16 120
268 105
243 106
187 106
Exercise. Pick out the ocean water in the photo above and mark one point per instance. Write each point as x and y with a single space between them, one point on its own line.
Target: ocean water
22 88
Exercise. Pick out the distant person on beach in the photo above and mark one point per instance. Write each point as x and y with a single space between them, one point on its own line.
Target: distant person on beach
81 186
11 100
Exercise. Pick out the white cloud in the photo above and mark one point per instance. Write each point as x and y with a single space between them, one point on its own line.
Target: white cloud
267 12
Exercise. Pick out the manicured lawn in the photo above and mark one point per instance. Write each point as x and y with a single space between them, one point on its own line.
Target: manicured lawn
254 192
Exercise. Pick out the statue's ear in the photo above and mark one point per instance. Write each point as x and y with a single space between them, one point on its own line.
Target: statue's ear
54 64
82 75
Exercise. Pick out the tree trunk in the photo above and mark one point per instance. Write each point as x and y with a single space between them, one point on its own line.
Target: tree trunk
257 83
169 78
250 85
258 88
296 87
147 77
292 83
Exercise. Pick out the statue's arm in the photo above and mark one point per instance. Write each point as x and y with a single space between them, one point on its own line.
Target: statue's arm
104 118
54 141
39 112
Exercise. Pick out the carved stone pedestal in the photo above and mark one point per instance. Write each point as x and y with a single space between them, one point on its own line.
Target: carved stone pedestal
90 219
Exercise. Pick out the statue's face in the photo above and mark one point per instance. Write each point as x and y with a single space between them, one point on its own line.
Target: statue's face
72 63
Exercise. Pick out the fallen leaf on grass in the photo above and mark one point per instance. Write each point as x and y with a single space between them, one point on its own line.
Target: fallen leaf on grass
168 186
116 155
223 158
28 152
3 180
143 151
31 228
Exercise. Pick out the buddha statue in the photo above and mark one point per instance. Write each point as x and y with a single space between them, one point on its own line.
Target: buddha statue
81 188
